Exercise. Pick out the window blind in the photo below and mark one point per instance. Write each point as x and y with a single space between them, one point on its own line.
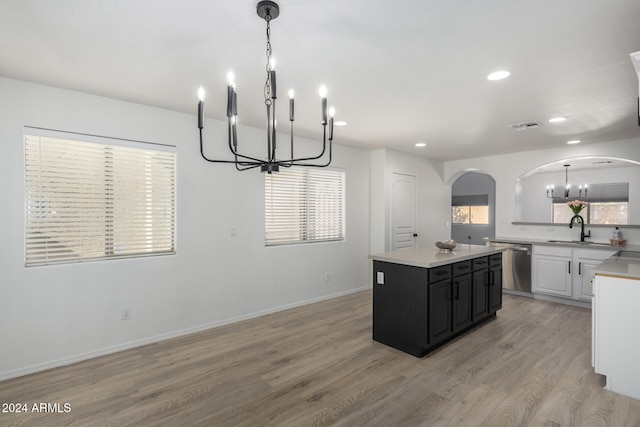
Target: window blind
470 200
87 200
304 205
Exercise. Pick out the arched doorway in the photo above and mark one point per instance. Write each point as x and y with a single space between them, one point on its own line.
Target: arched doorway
473 202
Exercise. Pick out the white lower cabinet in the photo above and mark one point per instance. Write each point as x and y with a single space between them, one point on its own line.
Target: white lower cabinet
566 272
615 344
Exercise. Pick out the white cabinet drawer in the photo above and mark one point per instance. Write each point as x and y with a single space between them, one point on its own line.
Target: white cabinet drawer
552 250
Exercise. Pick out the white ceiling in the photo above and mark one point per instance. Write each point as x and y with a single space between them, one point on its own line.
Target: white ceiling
398 72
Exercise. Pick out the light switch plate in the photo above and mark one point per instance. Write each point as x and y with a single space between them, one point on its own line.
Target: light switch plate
380 278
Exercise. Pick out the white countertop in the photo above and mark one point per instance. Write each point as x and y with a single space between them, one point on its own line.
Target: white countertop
620 267
433 257
567 243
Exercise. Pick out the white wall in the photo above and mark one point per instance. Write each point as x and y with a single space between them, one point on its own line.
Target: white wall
506 168
55 315
434 198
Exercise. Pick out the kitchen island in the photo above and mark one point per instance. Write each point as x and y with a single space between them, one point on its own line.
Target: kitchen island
423 298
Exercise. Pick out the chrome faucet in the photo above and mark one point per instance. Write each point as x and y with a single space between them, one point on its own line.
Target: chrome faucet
582 235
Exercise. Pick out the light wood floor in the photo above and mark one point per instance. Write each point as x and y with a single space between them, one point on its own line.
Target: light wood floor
317 365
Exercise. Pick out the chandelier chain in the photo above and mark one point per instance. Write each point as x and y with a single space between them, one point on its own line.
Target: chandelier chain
267 84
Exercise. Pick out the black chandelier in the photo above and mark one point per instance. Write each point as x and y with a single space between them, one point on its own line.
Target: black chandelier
567 186
267 10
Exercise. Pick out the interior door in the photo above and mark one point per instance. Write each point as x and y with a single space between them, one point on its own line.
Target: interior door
403 212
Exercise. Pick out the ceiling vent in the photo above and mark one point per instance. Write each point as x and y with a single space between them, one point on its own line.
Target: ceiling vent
525 125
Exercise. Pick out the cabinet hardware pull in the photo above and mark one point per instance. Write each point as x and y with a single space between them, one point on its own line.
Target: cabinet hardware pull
569 262
492 277
580 268
457 290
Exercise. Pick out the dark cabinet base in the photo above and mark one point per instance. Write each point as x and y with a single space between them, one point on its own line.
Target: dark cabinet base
417 310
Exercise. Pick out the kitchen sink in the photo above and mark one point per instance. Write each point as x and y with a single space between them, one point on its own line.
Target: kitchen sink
578 242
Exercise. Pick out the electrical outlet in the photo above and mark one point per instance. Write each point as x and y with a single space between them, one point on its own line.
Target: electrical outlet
126 313
327 277
380 278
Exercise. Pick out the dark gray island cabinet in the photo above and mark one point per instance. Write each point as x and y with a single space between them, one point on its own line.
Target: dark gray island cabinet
423 298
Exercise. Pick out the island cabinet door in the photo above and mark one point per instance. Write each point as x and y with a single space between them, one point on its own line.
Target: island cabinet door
480 294
462 290
440 313
495 288
399 301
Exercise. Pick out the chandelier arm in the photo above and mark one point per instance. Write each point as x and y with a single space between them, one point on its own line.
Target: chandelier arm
324 149
288 163
254 163
246 165
232 136
269 143
273 130
216 160
296 163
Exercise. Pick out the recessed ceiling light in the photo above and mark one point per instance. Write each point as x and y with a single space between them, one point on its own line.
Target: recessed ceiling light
420 144
340 123
499 75
574 141
557 119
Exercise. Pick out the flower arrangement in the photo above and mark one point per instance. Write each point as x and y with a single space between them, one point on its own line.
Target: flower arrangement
577 205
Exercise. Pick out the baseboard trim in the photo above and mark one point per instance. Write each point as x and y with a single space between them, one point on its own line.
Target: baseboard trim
561 300
157 338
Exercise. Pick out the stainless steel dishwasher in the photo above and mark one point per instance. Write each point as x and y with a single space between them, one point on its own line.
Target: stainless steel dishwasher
516 268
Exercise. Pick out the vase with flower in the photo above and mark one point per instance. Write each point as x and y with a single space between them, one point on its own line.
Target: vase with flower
577 206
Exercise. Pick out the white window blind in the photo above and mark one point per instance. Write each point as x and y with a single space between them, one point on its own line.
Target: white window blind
304 205
87 200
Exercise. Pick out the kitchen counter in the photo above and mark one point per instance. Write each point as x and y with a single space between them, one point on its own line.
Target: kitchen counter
619 267
567 243
616 351
433 257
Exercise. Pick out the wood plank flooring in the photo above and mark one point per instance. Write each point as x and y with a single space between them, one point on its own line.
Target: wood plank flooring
318 366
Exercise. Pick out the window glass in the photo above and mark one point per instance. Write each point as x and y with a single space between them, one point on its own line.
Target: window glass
609 213
595 213
470 215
